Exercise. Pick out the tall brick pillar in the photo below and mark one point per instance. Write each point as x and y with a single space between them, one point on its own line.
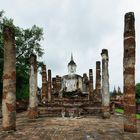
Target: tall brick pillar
98 81
90 84
105 85
85 83
54 85
49 86
58 83
9 80
44 83
129 74
33 101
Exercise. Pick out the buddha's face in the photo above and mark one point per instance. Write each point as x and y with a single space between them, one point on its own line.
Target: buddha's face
72 69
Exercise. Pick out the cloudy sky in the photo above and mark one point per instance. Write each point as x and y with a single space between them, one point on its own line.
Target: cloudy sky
83 27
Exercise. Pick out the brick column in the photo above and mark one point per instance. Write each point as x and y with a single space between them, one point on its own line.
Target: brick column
54 85
85 83
98 81
44 83
105 85
58 83
9 80
129 74
90 84
49 86
33 101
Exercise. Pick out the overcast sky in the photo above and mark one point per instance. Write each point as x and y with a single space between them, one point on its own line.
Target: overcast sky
83 27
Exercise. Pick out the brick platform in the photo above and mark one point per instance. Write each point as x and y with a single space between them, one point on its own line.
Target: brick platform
83 106
57 128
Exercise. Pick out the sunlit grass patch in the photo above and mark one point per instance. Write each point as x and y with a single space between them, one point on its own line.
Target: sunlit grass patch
118 110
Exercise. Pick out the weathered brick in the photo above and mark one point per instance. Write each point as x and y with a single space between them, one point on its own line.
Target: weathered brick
9 80
105 84
129 74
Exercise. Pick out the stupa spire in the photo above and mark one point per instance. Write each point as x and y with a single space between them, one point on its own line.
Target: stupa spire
71 57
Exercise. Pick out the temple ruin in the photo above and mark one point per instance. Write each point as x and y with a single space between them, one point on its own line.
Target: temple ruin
71 92
71 95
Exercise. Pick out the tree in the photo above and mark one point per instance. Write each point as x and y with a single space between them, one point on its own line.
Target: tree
138 93
27 42
1 53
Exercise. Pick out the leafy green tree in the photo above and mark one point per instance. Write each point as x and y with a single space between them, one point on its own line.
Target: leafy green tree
27 42
138 92
1 53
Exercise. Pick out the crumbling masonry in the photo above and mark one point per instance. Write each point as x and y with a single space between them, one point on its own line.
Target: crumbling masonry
44 83
129 74
9 80
90 84
49 86
33 102
98 81
105 85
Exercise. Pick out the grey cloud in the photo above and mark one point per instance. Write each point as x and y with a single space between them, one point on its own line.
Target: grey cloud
83 27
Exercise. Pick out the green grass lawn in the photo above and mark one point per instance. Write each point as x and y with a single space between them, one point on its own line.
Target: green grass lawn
118 110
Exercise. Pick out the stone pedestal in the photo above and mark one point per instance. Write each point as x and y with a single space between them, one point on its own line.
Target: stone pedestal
105 85
129 74
9 80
